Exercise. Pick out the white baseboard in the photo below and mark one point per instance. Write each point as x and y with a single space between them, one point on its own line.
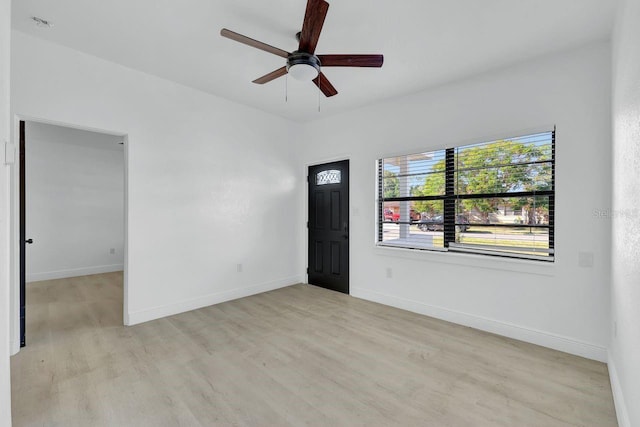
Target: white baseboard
545 339
618 397
73 272
14 347
133 318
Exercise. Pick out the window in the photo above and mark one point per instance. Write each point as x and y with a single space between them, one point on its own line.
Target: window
328 177
494 198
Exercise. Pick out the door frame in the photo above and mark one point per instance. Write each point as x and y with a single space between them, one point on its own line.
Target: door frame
14 220
22 196
305 238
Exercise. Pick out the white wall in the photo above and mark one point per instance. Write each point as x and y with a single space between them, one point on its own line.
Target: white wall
561 305
211 184
74 202
5 389
624 363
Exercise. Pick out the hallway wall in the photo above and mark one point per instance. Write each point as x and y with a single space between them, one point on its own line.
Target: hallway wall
74 202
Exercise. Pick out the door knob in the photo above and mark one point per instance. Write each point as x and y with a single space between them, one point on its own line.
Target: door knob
29 241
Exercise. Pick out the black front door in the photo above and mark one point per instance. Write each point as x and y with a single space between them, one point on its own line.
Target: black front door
329 226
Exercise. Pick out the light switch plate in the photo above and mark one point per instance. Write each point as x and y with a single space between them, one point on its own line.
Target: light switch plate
9 153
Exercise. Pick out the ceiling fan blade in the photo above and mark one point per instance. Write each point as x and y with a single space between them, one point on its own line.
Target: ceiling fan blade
253 43
325 85
351 60
312 25
271 76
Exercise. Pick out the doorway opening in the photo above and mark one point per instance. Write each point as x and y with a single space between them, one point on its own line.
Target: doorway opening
328 226
72 239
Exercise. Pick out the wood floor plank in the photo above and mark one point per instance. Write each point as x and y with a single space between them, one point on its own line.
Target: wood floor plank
295 356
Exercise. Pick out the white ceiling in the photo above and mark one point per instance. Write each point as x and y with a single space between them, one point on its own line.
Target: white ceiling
425 42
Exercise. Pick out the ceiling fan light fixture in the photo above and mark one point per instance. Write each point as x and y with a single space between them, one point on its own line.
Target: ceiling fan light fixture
303 72
303 66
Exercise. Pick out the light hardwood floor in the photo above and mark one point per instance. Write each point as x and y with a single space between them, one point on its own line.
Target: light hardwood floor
295 356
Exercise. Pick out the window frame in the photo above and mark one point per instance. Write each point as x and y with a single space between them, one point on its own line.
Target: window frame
450 198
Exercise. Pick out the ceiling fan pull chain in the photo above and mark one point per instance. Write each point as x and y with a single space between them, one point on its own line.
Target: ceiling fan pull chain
319 91
286 88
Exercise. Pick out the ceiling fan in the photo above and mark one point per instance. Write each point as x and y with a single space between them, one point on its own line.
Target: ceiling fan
303 64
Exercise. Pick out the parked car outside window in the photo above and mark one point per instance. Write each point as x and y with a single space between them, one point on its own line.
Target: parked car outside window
436 223
390 215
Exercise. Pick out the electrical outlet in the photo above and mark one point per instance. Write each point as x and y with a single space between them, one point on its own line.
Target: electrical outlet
389 273
239 268
112 251
585 259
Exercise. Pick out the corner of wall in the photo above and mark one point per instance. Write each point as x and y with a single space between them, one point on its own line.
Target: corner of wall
618 396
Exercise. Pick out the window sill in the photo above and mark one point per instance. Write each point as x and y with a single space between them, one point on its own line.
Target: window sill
442 256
